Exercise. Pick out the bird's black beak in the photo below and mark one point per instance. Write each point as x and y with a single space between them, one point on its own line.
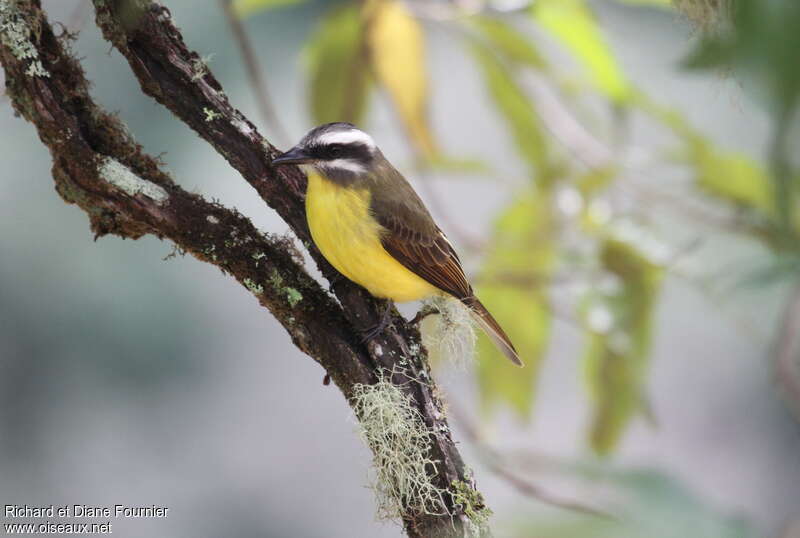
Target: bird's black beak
293 156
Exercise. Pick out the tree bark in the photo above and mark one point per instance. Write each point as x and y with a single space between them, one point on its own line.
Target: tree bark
98 166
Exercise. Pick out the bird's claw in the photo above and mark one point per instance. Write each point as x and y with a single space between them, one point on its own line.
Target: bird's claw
423 313
386 320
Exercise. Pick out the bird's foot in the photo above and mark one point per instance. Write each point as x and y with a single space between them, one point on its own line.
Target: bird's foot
386 320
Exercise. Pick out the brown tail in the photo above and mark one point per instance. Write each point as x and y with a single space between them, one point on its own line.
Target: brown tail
492 329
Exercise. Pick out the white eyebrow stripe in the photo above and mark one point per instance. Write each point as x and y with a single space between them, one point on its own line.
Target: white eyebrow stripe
350 165
346 137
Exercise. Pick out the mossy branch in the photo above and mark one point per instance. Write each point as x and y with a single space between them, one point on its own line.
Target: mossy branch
98 166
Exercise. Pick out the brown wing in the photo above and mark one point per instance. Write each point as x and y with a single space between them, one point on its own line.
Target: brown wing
412 237
429 256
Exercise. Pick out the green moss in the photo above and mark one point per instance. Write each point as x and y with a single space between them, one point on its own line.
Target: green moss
293 296
254 287
209 251
123 178
258 256
211 115
401 447
471 502
200 68
449 335
15 34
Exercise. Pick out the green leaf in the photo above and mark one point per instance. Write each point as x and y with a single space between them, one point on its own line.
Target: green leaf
516 108
618 344
508 41
760 46
574 26
761 43
728 176
245 8
339 83
522 249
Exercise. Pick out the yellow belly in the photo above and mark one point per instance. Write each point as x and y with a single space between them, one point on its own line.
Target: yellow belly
349 238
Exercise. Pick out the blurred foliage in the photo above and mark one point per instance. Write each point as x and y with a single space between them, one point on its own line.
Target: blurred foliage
243 8
396 50
573 25
656 3
734 179
561 220
522 245
339 79
509 41
515 107
761 41
759 45
651 505
617 350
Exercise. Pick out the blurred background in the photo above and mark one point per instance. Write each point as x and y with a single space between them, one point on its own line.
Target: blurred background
620 177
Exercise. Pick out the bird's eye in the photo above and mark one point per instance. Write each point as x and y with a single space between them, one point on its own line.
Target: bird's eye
335 150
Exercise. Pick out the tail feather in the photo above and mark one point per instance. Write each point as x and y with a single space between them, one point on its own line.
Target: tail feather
492 329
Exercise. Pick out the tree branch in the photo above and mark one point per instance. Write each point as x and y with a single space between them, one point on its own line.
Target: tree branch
98 166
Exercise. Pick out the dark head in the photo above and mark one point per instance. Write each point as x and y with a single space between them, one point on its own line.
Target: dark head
340 151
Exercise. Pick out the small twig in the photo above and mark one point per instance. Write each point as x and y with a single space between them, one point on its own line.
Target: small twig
787 365
254 74
594 154
491 459
566 129
464 238
726 223
423 313
781 169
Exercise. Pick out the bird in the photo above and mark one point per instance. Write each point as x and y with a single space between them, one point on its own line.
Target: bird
372 227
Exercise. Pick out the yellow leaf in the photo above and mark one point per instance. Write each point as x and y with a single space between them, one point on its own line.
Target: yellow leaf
514 288
743 183
339 82
574 25
397 52
618 346
734 177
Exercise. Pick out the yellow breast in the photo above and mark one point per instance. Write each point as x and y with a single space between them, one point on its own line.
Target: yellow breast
349 238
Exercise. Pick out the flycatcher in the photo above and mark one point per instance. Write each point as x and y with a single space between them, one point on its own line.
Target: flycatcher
372 227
